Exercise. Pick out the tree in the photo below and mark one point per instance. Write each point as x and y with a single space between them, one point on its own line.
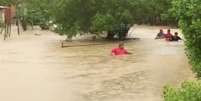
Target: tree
8 2
36 12
92 16
96 16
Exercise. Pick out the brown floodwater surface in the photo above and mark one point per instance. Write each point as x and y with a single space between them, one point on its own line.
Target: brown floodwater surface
35 68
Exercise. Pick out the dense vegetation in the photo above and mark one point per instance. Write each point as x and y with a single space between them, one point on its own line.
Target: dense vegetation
189 16
189 91
94 16
37 12
31 12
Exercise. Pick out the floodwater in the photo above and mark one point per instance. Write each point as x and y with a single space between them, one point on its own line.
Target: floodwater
35 68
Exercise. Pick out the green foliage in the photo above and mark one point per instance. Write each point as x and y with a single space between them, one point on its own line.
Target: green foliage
189 91
95 16
76 16
189 15
8 2
152 12
36 12
102 22
112 13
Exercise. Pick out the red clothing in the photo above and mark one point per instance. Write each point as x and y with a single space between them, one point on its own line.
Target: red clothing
168 36
119 51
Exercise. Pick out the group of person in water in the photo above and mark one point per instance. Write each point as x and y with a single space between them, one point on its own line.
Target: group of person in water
168 36
120 50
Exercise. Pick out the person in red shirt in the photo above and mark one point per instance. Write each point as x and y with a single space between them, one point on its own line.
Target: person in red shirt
169 35
120 50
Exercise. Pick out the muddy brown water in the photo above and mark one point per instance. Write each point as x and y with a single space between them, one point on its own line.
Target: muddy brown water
36 68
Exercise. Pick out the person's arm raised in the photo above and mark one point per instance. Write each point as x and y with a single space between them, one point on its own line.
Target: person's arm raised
129 53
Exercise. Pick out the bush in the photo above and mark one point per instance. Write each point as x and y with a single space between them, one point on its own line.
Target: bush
189 91
188 13
189 16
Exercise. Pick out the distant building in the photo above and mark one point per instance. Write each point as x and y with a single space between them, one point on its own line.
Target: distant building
7 14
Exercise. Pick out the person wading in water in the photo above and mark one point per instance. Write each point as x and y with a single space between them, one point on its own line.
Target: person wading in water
176 37
120 50
168 35
160 35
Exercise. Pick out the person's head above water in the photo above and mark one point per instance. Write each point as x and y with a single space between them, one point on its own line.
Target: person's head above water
161 31
120 50
176 33
121 45
169 31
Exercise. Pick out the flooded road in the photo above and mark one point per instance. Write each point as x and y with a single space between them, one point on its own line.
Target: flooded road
36 68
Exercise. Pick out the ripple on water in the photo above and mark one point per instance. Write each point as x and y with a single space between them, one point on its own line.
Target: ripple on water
127 84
